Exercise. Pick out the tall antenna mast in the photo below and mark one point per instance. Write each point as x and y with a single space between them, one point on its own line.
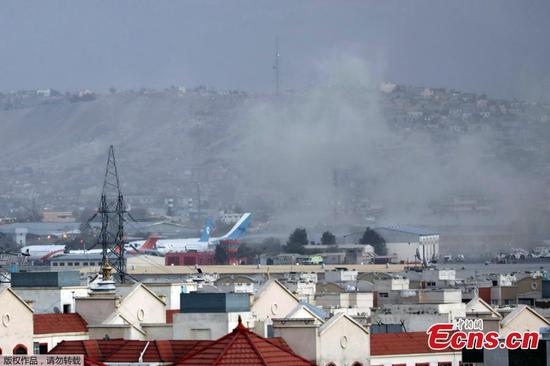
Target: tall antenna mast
112 211
276 66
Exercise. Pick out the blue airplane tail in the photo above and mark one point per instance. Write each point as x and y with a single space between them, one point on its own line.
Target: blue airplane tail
205 232
239 229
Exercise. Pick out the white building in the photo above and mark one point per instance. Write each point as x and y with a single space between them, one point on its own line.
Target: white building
338 341
410 244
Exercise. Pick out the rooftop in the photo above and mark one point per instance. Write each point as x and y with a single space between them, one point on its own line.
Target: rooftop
59 323
383 344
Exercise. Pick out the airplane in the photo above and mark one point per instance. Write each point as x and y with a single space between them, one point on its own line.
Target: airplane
203 242
42 252
45 252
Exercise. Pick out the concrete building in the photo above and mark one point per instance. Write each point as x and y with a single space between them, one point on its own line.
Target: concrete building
351 303
170 291
273 300
16 328
133 312
437 278
410 244
51 329
338 341
49 292
341 275
409 349
209 316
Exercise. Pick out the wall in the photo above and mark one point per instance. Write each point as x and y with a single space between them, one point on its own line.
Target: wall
140 306
171 291
302 339
95 309
412 360
53 339
16 323
45 299
344 343
403 251
158 331
274 302
207 325
114 332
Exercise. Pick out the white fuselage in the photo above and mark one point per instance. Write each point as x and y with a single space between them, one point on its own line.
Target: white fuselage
164 246
38 252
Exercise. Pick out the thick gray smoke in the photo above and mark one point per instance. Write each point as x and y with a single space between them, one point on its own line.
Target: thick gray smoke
322 154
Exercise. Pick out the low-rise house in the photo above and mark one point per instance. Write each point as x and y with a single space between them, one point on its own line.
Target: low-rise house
273 300
338 341
49 292
477 308
351 303
237 284
437 278
170 291
132 312
341 275
418 317
388 349
16 324
211 315
239 347
529 290
50 329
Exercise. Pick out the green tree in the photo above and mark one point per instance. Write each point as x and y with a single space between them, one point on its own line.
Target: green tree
296 241
328 238
220 255
371 237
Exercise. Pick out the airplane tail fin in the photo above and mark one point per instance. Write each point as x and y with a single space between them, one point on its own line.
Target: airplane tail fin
149 243
239 229
205 232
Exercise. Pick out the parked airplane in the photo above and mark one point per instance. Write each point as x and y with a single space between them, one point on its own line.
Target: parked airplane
42 252
204 241
45 252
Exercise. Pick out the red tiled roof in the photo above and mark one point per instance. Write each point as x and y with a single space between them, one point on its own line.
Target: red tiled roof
59 323
170 315
243 347
157 351
401 344
120 350
89 362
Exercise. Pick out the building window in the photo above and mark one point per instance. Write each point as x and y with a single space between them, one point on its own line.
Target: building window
383 294
61 264
20 350
54 264
444 364
66 308
357 363
40 348
69 263
85 264
422 364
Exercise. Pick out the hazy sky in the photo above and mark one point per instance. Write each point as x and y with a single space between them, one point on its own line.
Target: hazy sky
498 47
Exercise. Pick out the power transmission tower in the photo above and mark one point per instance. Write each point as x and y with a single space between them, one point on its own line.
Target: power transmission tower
112 211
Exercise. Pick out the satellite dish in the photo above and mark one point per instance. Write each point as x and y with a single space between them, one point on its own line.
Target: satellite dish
56 310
